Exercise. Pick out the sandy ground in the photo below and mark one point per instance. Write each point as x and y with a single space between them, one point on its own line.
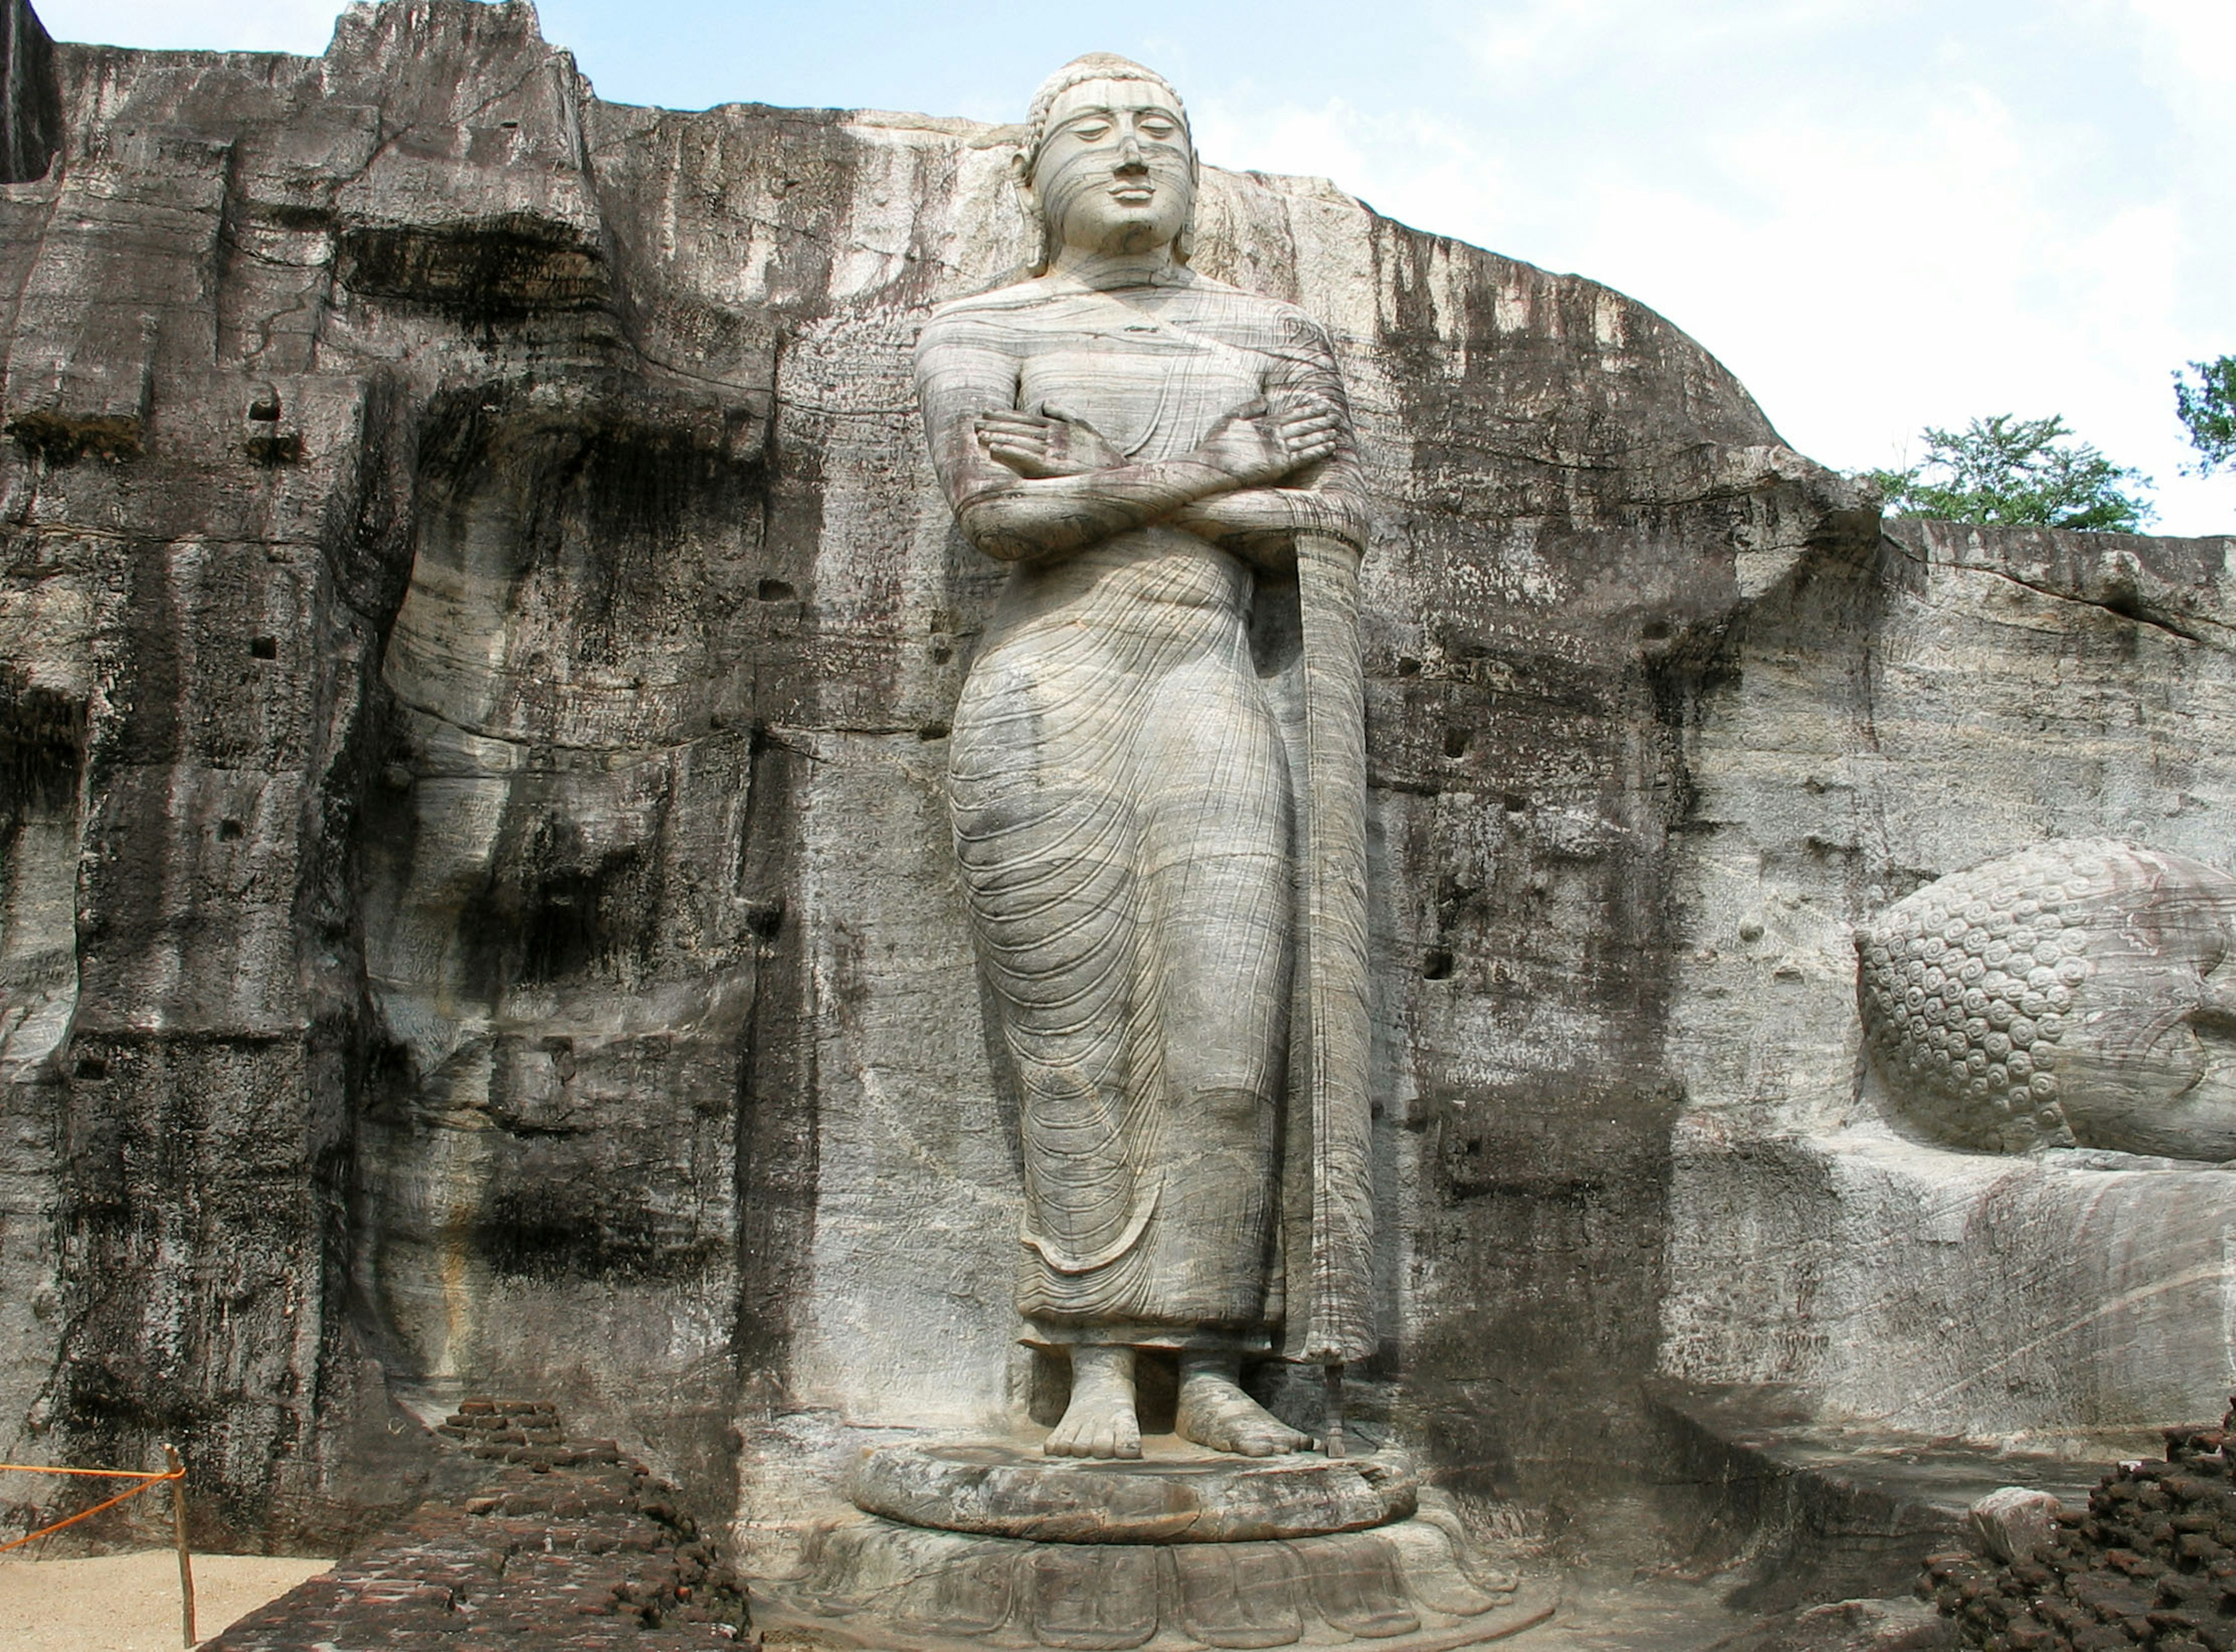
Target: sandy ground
130 1602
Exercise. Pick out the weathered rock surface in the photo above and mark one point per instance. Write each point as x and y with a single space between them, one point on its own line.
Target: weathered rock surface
1787 1505
1956 695
33 118
477 637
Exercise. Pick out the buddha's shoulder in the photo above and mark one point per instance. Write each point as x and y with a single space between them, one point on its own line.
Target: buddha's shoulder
1044 303
1203 299
1013 303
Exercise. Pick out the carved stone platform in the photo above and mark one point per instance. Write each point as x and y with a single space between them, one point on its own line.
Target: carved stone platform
990 1546
1169 1495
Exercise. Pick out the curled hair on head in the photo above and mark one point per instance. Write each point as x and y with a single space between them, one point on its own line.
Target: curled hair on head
1094 66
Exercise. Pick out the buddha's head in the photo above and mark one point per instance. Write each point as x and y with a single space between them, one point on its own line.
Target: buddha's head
1107 167
2071 994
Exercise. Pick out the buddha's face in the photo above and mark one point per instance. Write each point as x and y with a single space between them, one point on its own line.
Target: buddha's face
2154 1062
1115 174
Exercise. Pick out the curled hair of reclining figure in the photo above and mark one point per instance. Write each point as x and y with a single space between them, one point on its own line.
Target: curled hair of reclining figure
1968 1027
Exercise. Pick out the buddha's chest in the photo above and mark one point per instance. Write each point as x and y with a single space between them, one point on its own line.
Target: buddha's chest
1153 391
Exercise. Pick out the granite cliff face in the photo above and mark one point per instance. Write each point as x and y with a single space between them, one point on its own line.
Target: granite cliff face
1955 694
476 637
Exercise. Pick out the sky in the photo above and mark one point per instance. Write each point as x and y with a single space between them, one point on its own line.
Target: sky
1882 215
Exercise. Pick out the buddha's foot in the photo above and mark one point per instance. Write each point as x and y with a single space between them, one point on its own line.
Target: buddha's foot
1215 1412
1100 1420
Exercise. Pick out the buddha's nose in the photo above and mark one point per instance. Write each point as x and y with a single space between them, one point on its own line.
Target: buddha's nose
1129 155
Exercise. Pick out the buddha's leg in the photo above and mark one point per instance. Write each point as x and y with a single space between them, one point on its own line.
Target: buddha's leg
1047 842
1219 898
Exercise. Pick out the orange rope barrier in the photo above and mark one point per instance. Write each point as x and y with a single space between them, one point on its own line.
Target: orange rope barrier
150 1482
174 1476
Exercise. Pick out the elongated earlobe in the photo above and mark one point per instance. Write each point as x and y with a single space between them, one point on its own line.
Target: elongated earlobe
1183 243
1029 202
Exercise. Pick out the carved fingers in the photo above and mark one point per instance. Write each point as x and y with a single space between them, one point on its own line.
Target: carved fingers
1047 444
1309 428
1257 445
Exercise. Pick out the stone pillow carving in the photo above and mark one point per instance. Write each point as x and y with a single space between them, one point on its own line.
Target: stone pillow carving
2070 995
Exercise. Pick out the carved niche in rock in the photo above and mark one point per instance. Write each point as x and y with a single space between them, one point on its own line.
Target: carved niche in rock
552 940
2065 996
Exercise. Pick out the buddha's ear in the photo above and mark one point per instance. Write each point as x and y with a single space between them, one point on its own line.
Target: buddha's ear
1183 243
1020 179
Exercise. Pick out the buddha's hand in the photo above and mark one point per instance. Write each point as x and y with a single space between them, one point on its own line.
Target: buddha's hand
1311 427
1046 443
1257 445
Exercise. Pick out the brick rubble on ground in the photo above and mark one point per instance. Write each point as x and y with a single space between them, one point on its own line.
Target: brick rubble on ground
2151 1562
570 1548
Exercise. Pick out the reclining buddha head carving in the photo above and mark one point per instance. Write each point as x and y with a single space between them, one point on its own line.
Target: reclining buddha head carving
2072 994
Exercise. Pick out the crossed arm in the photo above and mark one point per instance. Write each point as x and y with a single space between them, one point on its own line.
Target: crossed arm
1035 485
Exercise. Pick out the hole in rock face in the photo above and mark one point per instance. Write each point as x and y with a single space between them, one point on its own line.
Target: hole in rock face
91 1067
932 731
282 447
1457 741
264 648
1437 965
1408 666
1655 630
231 831
1515 805
775 590
264 407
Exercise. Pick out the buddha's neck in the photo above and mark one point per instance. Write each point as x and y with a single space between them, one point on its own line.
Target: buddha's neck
1109 271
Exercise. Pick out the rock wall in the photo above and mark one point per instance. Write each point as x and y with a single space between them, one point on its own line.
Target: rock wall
476 636
1952 694
29 132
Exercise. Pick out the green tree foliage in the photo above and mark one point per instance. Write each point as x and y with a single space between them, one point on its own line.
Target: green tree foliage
2207 406
2018 472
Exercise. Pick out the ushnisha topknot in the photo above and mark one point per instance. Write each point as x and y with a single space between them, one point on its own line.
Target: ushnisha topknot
1094 65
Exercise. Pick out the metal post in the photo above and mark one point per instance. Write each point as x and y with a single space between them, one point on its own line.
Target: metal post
186 1562
1332 1376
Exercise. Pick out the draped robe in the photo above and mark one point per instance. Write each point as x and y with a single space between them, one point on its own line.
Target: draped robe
1125 817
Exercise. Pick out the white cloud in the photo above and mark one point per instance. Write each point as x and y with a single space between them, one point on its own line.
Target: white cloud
1567 37
2190 47
1873 243
301 26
